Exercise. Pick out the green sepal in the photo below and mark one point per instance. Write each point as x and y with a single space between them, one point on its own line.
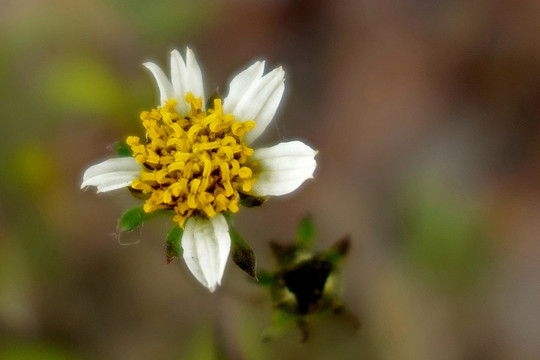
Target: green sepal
242 254
306 231
250 201
123 149
138 194
228 216
131 219
135 217
174 243
338 251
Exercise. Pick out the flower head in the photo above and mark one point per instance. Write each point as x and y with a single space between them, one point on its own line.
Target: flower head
192 164
199 163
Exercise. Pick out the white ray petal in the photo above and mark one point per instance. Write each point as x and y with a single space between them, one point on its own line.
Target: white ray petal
206 244
259 100
194 76
112 174
282 168
179 78
266 113
165 87
240 84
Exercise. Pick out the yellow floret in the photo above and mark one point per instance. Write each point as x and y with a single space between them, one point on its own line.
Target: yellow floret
192 164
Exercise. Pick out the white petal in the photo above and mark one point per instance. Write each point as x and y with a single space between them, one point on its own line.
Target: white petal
165 88
194 76
186 78
112 174
266 113
253 97
206 244
283 168
179 78
240 84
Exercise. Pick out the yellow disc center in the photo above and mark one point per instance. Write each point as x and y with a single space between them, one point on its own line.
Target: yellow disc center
193 163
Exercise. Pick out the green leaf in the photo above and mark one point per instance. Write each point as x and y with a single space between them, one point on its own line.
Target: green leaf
174 243
250 201
122 149
135 217
306 231
242 254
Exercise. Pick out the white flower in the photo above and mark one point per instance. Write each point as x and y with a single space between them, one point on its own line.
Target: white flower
198 162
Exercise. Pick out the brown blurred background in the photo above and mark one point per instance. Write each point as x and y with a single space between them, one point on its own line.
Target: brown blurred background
426 115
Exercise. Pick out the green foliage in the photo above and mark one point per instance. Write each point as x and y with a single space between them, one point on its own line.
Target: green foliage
174 242
306 231
135 217
122 149
228 216
138 194
242 254
132 218
265 278
338 251
304 282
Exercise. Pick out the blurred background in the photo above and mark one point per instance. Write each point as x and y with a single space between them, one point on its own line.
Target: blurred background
426 115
